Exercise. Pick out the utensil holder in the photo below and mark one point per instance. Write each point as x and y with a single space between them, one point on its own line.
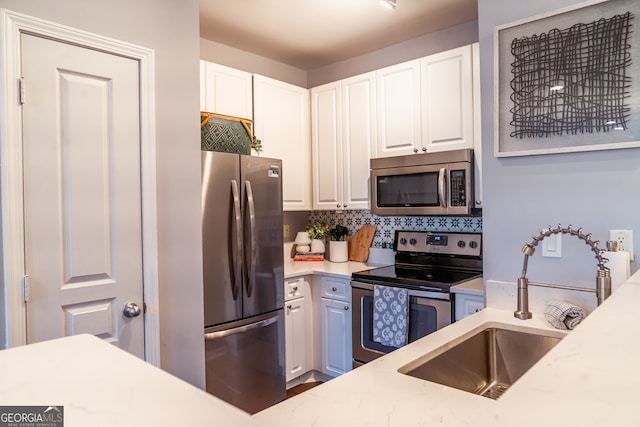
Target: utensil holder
338 251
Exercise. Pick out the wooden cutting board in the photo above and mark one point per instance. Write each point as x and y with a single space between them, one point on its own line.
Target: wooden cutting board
360 243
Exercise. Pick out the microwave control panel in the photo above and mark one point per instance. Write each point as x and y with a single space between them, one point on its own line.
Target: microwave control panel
458 186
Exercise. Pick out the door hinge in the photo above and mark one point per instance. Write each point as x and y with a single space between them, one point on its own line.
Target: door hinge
25 288
21 90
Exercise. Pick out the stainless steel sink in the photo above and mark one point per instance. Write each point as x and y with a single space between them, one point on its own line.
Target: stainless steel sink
486 363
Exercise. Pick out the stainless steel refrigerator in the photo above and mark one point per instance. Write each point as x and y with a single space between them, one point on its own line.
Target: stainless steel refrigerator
243 279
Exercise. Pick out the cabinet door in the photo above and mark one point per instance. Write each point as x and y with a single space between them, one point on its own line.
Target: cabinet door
281 121
398 100
447 100
295 338
225 90
335 317
467 305
358 137
477 129
326 143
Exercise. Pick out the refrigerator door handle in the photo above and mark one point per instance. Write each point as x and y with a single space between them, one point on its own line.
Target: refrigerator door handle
240 329
236 264
251 273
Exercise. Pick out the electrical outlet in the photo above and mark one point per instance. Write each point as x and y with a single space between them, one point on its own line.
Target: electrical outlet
285 231
624 239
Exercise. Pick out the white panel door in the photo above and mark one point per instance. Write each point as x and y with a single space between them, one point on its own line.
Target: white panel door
326 143
336 337
447 100
398 99
282 123
226 90
82 201
359 136
295 336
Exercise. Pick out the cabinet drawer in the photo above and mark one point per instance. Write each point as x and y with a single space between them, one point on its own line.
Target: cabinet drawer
337 289
294 288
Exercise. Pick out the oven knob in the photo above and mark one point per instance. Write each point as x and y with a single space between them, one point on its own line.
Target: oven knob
403 241
461 244
473 244
413 241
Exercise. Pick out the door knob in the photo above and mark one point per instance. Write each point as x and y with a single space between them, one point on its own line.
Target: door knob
131 309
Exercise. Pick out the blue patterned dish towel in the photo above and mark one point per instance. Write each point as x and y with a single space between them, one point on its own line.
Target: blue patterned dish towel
390 315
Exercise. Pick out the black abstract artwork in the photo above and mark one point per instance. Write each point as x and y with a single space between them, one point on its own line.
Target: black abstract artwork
572 81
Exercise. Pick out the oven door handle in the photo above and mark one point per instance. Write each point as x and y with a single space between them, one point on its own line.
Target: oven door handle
442 187
443 296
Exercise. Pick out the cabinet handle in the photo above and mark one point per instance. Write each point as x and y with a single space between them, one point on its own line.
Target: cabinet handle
334 289
338 206
424 149
344 206
289 307
346 307
295 288
415 150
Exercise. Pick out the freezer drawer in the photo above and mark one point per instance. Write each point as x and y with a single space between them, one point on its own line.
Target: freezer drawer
245 362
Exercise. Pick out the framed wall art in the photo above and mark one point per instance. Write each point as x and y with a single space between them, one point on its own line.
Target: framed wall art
569 80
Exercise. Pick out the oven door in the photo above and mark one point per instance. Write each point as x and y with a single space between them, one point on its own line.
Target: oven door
428 312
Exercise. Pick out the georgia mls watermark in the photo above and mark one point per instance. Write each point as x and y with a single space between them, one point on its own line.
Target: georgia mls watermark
31 416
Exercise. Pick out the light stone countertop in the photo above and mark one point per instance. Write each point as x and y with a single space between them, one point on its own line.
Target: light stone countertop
377 258
99 384
591 378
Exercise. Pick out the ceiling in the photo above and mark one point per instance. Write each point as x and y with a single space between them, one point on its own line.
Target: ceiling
309 34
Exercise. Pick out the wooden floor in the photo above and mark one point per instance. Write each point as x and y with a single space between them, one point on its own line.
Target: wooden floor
293 391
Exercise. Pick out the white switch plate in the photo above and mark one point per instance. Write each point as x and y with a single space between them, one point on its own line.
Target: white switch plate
624 239
552 246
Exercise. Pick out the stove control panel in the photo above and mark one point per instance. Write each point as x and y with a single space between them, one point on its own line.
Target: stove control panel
432 242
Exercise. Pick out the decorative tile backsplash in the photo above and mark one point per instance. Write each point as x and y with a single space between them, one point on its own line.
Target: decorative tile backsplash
386 225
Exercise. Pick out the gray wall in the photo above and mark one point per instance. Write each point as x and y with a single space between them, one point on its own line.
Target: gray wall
428 44
449 38
251 63
594 190
171 29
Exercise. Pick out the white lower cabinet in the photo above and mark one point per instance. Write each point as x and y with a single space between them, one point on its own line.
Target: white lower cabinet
295 338
335 326
297 326
336 337
317 328
467 304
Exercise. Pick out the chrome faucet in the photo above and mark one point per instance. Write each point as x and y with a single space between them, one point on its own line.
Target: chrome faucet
603 278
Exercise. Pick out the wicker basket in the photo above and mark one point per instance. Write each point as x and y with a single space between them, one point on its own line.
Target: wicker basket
225 133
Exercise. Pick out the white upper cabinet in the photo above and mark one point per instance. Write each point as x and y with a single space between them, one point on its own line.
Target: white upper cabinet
343 132
477 128
447 100
326 146
359 135
224 90
426 105
282 123
398 110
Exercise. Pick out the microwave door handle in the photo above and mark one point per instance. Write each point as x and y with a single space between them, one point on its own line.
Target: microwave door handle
442 187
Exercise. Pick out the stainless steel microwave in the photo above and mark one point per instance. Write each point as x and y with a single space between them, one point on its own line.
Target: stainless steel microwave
423 184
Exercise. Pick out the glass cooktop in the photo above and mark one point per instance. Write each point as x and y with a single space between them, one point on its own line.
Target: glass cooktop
419 277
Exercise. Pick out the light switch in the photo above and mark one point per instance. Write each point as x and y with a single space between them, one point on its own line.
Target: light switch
552 246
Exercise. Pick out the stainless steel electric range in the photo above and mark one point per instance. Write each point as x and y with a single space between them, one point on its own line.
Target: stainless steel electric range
428 264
